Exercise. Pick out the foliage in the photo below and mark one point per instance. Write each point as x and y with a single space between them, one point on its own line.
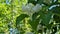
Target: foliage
29 16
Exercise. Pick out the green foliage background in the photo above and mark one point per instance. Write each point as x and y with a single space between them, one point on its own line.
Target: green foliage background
14 20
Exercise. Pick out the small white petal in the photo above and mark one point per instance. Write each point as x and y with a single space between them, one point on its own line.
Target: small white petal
36 8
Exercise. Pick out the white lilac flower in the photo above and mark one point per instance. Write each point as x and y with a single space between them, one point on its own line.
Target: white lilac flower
28 7
23 8
36 8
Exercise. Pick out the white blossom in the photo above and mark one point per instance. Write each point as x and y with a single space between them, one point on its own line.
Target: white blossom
36 8
23 8
27 8
30 8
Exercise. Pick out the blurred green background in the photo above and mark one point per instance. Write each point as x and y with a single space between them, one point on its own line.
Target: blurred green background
29 16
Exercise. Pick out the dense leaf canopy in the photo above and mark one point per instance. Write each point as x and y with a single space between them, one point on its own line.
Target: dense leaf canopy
29 16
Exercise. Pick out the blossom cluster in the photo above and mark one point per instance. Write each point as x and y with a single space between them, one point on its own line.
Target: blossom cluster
30 8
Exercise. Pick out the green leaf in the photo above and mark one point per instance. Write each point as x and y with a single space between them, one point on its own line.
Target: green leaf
55 9
40 1
59 1
21 17
34 16
56 18
32 1
46 18
34 24
35 21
